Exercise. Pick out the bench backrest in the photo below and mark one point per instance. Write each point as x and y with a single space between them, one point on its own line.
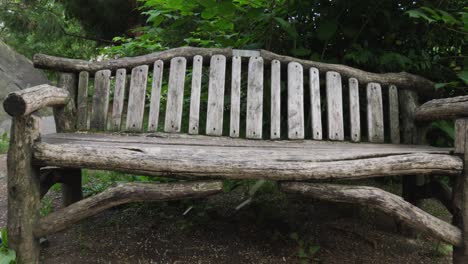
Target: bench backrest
262 96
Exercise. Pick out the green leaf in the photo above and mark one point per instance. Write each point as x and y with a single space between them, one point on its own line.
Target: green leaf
4 238
463 75
288 27
313 249
7 257
445 126
300 52
416 13
326 29
258 184
209 13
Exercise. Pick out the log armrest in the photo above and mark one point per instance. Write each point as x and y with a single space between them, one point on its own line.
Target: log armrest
26 101
447 108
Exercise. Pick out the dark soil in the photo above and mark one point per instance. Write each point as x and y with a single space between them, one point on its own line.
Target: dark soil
274 228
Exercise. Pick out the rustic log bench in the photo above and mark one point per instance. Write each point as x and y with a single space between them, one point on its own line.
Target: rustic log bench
314 125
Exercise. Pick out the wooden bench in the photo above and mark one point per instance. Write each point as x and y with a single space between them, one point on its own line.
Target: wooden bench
267 117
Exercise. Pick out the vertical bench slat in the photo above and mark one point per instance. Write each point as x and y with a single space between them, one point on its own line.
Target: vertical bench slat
394 114
100 100
155 103
295 101
214 117
335 106
118 104
235 96
354 116
195 95
315 105
375 124
255 98
275 132
82 101
175 94
136 98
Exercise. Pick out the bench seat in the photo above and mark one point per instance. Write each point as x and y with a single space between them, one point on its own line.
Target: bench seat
179 155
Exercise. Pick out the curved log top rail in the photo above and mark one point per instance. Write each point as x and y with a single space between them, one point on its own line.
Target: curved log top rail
402 80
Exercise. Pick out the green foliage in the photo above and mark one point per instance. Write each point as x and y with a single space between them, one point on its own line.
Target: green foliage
4 143
46 206
7 256
306 250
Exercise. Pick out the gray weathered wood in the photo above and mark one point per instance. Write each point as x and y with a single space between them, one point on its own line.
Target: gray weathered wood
118 102
275 115
408 104
324 161
65 117
295 101
461 125
447 108
100 100
82 101
136 98
155 103
121 194
354 111
175 95
255 98
379 199
215 111
375 124
234 128
23 190
194 119
315 104
394 114
27 101
334 106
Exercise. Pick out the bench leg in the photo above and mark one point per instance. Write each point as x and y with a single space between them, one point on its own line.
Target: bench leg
23 190
71 186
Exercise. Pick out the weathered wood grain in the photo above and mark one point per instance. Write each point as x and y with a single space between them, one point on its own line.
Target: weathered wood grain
195 95
334 106
394 114
23 190
255 98
121 194
315 103
408 104
136 98
118 102
27 101
100 100
379 199
175 95
447 108
375 124
234 128
275 114
82 101
155 103
354 111
65 117
214 116
461 126
295 101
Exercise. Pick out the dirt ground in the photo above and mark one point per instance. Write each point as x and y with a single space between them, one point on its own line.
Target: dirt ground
271 229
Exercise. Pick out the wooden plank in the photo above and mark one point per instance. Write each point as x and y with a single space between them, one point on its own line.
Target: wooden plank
65 117
295 101
214 117
195 94
375 198
136 98
334 106
155 103
275 121
443 109
394 114
119 94
375 124
315 103
255 98
245 53
100 100
461 126
408 105
82 101
175 95
354 116
235 96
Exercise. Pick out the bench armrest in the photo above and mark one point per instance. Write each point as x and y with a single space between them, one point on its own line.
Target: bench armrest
26 101
447 108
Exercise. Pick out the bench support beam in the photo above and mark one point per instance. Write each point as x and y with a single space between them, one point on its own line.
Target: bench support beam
122 194
378 199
